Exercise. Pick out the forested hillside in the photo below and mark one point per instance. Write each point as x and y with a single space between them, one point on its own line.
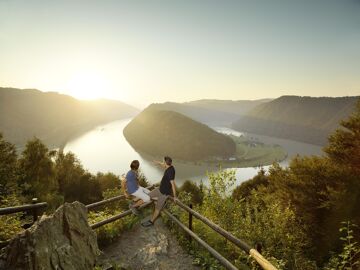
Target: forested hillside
209 111
305 216
51 116
306 119
159 132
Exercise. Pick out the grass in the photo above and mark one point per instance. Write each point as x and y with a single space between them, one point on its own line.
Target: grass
252 153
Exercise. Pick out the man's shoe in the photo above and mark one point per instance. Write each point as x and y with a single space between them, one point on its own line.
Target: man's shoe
147 223
134 210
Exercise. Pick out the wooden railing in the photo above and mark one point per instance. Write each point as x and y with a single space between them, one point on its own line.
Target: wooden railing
33 209
265 264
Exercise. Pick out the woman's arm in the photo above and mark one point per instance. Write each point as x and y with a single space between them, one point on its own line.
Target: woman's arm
124 187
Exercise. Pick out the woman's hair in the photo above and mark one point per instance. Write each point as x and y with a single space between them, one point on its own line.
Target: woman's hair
168 160
134 165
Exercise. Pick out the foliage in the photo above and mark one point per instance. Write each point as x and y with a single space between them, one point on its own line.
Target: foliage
36 170
8 159
349 258
196 191
10 224
344 144
244 189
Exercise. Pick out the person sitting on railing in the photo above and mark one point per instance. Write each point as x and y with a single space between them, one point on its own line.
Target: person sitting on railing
167 188
130 185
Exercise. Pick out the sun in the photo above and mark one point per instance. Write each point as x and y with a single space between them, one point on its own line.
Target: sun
87 85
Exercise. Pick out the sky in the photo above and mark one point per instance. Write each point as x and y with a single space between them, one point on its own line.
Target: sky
154 51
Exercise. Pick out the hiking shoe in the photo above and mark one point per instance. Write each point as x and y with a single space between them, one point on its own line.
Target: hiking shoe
147 223
134 210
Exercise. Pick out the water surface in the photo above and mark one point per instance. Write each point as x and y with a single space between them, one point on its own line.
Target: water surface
105 149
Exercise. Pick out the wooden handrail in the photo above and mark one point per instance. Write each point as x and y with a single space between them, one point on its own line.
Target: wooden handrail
103 202
212 251
22 208
107 201
265 264
116 217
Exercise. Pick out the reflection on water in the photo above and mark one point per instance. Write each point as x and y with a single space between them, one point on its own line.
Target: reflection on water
105 149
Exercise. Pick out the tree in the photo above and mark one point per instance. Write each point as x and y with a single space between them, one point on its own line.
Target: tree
245 188
8 160
36 171
344 144
76 184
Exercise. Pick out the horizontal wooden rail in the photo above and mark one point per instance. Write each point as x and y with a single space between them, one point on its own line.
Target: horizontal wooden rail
101 203
22 208
116 217
107 201
212 251
215 227
265 264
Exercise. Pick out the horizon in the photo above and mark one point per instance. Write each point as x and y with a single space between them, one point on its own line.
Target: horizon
141 107
141 53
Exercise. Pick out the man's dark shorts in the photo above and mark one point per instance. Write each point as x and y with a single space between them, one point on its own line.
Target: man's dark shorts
161 198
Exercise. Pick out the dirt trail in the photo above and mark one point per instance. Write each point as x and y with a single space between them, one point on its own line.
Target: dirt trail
147 248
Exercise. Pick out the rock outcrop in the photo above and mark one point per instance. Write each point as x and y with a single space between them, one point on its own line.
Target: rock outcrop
63 240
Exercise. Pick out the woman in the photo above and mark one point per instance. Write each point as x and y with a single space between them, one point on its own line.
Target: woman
130 185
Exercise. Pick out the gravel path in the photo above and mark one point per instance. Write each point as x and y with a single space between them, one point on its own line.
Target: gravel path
147 248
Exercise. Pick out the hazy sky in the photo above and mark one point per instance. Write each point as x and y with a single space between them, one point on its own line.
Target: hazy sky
153 51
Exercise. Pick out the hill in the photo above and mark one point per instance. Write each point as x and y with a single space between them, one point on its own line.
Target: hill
53 117
210 111
305 119
160 132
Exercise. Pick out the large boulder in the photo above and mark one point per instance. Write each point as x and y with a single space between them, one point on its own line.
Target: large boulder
63 240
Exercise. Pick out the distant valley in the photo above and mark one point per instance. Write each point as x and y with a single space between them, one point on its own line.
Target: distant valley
158 132
211 111
305 119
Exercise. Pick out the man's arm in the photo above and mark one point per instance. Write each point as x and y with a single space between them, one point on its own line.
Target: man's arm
159 163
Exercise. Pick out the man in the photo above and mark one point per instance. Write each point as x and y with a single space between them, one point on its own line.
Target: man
167 188
131 187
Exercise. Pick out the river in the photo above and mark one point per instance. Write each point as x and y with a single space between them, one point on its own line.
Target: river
105 149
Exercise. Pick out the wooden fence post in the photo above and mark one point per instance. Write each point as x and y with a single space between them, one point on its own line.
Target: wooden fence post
34 211
190 221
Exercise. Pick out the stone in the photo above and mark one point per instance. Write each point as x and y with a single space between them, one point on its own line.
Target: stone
61 241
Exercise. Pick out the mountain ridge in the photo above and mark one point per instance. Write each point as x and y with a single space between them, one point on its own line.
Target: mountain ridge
53 117
301 118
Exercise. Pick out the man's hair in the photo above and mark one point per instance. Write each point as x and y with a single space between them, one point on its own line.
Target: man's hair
168 160
134 164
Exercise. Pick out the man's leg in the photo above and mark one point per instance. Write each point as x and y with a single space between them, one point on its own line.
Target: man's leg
158 206
138 203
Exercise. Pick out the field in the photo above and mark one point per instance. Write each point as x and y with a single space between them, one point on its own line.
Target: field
252 153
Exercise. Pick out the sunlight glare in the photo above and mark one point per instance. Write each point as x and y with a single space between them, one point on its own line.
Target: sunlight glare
87 85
